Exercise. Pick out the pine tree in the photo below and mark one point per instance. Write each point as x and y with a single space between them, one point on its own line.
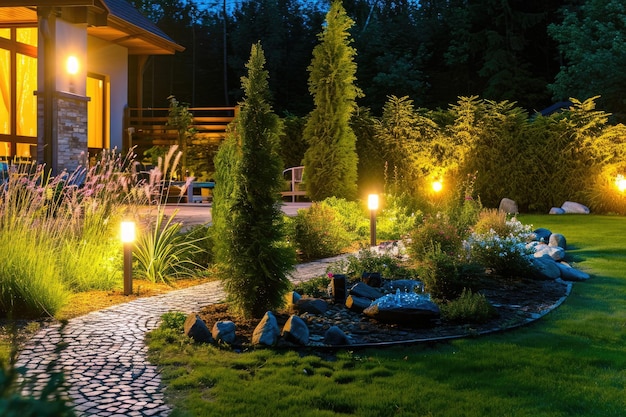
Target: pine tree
331 159
249 234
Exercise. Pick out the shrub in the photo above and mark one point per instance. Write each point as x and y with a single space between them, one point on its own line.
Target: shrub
470 307
174 320
163 252
316 287
435 231
351 215
388 264
440 274
319 233
397 218
492 219
506 254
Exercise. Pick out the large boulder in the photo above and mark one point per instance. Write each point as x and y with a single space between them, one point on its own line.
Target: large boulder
311 305
508 206
542 234
556 210
557 253
557 239
224 331
571 274
334 336
267 331
195 328
363 290
571 207
357 304
296 331
545 268
407 309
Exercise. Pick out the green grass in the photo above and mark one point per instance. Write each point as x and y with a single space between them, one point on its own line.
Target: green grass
570 363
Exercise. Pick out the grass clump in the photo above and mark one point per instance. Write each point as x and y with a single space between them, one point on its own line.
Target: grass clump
470 307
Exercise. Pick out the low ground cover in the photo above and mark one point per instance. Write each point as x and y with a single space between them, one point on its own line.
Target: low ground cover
571 362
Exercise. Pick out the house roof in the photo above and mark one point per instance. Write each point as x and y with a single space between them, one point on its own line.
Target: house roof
115 21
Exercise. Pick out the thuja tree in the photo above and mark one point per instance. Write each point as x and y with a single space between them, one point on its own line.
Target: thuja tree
250 245
331 159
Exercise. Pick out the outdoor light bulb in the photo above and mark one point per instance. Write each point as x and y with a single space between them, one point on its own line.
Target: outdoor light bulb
72 65
621 183
372 201
128 232
437 186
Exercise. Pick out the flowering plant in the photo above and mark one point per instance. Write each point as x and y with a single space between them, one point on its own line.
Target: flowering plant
507 255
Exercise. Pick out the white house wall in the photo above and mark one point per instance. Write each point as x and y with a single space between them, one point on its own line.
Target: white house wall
111 60
71 40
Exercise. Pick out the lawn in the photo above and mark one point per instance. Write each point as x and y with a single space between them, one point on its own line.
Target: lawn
570 363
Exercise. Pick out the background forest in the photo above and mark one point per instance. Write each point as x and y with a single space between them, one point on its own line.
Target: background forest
533 52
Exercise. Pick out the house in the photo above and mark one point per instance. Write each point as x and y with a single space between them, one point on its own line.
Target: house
64 76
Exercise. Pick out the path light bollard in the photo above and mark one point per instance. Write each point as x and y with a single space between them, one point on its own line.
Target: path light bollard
128 238
372 204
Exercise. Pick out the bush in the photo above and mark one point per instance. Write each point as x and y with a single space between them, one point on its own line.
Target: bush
440 274
388 264
397 218
316 287
468 308
435 231
351 215
319 232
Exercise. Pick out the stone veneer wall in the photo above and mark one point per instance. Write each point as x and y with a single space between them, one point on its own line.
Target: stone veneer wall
69 127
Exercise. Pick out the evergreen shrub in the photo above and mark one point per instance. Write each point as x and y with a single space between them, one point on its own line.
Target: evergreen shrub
470 307
319 232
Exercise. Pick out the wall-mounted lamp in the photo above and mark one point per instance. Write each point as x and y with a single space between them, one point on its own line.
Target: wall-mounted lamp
372 205
72 66
128 237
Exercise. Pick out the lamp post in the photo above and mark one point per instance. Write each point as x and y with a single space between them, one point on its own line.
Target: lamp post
128 237
372 204
620 182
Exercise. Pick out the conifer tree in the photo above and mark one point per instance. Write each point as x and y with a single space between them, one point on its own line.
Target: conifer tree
250 245
331 159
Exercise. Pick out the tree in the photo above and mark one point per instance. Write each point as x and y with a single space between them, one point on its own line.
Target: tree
593 45
330 162
250 244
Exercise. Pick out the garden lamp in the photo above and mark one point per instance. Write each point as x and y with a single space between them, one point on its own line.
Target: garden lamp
128 237
620 181
372 205
437 186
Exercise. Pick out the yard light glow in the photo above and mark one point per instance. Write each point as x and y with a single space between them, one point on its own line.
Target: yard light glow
128 237
372 204
437 186
620 182
71 65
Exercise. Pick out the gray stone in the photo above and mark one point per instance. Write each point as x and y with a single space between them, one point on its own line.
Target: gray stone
363 290
557 239
334 336
357 304
311 305
224 331
291 298
571 207
196 329
296 331
422 315
508 206
556 210
571 274
542 234
555 252
267 331
545 268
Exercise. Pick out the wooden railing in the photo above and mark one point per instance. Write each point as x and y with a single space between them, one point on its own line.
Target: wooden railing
148 127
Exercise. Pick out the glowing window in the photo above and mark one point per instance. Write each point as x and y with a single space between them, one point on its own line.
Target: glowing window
27 36
5 33
26 100
5 92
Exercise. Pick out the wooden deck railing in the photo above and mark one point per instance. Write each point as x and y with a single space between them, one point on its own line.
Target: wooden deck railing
148 127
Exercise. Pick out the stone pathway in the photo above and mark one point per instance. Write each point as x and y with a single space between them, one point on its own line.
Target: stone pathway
103 355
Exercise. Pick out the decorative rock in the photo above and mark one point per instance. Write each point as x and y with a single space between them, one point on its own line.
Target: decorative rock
556 210
508 206
267 331
224 331
542 234
555 252
357 304
311 305
363 290
334 336
418 315
545 268
373 279
291 298
571 207
557 239
197 330
571 274
296 331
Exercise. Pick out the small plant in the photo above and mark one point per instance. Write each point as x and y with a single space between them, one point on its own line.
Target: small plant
470 307
174 320
316 287
436 231
387 264
318 232
440 274
163 252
